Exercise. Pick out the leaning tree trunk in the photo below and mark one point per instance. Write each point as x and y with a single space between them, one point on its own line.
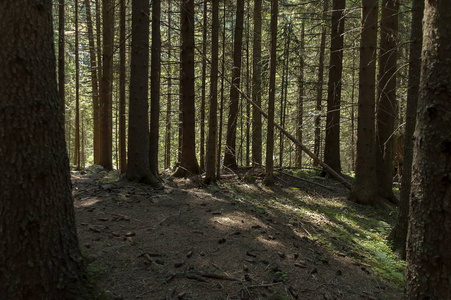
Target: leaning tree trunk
269 177
387 108
398 235
40 256
365 189
428 268
230 147
188 163
332 140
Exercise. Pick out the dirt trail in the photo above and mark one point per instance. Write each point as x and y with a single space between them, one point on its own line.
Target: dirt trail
194 242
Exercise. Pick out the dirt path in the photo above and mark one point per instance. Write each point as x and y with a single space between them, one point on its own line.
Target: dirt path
191 242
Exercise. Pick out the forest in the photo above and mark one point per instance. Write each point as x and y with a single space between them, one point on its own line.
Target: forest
207 149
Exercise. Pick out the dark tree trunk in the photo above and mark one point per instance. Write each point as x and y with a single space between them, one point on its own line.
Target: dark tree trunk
221 105
138 131
332 140
94 83
106 86
167 159
188 163
428 265
300 104
319 90
387 108
40 256
230 148
256 85
203 93
398 235
155 74
364 190
77 92
122 83
269 177
61 51
213 114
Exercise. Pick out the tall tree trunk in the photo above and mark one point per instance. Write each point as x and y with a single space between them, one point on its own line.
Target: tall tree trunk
203 88
188 164
364 190
256 84
155 74
398 235
269 177
138 131
40 256
213 113
319 89
106 86
167 160
122 83
300 102
387 107
230 148
221 106
353 146
332 140
94 83
428 265
77 92
61 51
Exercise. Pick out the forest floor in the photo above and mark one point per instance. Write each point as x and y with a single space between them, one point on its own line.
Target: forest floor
235 240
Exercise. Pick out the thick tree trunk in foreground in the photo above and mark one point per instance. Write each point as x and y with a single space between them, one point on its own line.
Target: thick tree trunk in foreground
40 256
428 269
230 147
365 189
213 115
332 140
188 162
138 131
398 235
269 177
387 108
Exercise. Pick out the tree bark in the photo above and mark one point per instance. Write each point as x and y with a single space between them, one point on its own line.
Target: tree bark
213 113
300 102
204 88
167 160
256 85
40 256
269 177
332 140
77 93
365 189
94 83
138 131
428 265
61 51
106 86
122 83
398 235
319 89
230 148
188 164
155 74
387 108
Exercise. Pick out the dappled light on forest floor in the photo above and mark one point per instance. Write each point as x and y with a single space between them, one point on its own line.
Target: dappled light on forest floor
218 242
